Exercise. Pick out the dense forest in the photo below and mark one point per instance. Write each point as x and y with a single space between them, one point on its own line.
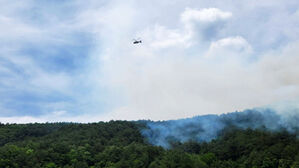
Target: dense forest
121 144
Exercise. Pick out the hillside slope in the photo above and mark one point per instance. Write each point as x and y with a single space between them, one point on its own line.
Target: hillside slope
121 144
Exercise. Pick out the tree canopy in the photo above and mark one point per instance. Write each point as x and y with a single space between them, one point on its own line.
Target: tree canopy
119 144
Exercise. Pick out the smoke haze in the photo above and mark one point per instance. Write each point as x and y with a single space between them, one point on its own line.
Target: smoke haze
207 127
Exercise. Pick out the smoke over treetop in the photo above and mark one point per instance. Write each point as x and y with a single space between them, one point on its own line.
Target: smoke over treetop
208 127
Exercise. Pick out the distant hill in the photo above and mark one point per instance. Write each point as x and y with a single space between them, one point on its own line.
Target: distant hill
246 139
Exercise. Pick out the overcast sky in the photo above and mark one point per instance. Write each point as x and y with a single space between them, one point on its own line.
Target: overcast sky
74 60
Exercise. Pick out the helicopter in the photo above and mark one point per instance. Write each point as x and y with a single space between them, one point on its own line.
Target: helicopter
137 41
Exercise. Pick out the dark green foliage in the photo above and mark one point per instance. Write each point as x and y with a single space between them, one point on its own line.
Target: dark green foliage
249 148
119 144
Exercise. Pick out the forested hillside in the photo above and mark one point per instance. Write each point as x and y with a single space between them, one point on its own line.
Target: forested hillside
120 144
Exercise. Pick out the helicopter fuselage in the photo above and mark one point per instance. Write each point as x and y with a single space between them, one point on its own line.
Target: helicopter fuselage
136 42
